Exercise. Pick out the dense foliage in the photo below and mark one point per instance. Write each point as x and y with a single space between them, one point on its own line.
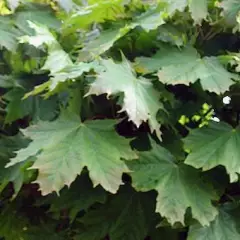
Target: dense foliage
119 120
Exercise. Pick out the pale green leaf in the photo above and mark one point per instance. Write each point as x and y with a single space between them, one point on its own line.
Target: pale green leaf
141 100
170 34
8 34
96 12
198 9
13 4
57 59
42 36
217 144
71 72
102 43
67 146
186 66
173 6
230 11
225 227
149 20
39 14
179 186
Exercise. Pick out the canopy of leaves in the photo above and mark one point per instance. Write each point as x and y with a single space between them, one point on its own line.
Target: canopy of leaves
119 119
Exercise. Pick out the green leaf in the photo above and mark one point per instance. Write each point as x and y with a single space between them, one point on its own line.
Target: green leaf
173 6
36 107
179 186
127 216
214 145
96 12
15 174
186 66
55 51
71 72
102 43
42 36
8 81
8 34
170 34
67 146
149 20
80 196
230 11
38 14
225 226
198 9
141 101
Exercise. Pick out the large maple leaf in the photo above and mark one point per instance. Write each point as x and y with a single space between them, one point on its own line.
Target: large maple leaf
186 66
141 100
217 144
66 146
179 186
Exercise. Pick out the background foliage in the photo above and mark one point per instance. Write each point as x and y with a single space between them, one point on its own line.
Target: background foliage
119 119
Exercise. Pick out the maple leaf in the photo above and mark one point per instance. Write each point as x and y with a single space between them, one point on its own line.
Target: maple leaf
149 20
198 9
8 34
141 101
225 226
186 66
61 72
230 11
67 146
179 186
126 215
102 43
96 12
38 14
214 145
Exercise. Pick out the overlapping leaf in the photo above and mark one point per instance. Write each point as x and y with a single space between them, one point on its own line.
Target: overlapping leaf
198 9
66 146
8 34
225 226
230 12
141 100
64 69
186 66
96 12
215 145
179 186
